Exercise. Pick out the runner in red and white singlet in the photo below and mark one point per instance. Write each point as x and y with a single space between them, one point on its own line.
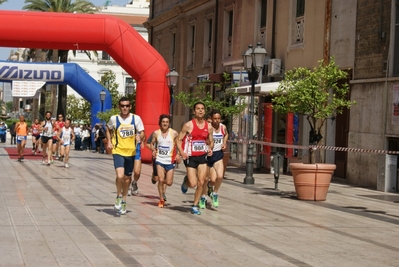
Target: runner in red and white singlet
192 145
35 128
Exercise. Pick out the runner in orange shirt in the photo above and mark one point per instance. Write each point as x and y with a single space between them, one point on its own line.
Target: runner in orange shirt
21 128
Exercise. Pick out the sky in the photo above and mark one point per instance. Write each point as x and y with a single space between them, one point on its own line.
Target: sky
18 4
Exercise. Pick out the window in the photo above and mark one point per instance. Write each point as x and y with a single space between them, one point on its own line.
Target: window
396 46
228 33
173 47
208 34
263 12
299 21
105 56
300 8
191 45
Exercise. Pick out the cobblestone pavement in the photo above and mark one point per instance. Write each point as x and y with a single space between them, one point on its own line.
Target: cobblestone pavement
52 216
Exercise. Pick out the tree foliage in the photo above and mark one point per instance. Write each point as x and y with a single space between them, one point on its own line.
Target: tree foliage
228 104
319 94
78 110
2 1
108 80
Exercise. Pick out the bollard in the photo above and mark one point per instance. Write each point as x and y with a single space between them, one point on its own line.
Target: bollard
275 162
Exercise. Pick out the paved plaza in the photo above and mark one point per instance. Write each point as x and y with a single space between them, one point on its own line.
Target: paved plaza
52 216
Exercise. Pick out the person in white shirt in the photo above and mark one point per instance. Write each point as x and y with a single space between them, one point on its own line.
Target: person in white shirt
65 136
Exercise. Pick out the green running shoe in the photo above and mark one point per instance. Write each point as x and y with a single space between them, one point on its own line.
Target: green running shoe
122 210
215 200
118 202
202 203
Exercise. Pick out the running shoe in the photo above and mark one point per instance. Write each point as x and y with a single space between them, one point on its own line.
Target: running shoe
135 188
118 202
161 203
44 161
66 165
122 210
61 158
202 202
164 197
129 191
153 181
195 210
210 189
215 200
51 161
184 186
22 158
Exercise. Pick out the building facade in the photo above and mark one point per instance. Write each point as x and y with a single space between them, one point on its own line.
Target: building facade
206 37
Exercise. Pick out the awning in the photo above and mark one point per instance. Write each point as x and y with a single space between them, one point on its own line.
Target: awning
260 89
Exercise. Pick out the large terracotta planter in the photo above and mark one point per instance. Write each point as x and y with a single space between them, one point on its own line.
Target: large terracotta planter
312 180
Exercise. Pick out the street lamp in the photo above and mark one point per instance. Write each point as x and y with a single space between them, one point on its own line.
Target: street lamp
254 59
102 98
172 77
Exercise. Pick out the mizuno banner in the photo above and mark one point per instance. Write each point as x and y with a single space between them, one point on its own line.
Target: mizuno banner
31 72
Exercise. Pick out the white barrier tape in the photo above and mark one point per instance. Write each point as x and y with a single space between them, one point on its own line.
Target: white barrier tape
343 149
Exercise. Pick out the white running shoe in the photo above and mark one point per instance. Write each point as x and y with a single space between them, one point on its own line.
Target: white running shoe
66 165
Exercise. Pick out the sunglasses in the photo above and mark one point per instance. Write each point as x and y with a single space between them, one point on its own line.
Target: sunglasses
125 106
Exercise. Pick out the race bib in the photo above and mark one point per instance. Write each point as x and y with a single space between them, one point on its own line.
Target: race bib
35 131
20 137
199 146
66 139
163 150
126 132
217 140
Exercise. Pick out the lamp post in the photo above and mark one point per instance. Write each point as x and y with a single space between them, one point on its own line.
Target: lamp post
102 98
254 59
172 77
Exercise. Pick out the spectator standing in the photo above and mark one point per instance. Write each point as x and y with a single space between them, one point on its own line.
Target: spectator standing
86 138
3 132
13 134
78 139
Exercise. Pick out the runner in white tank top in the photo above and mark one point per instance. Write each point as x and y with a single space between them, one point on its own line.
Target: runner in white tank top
215 162
165 155
65 136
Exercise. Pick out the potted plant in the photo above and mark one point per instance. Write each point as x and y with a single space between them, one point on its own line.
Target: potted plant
228 104
318 94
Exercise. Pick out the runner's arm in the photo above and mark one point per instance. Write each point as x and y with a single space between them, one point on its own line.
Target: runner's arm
185 129
225 138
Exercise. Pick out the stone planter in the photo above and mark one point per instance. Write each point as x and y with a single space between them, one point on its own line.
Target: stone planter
312 180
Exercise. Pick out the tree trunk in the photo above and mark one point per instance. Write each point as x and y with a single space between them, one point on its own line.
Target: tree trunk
62 88
38 111
53 96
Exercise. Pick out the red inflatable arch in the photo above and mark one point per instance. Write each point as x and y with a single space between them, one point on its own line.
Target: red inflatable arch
67 31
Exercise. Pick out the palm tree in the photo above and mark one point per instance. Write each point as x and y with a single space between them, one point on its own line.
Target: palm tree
64 6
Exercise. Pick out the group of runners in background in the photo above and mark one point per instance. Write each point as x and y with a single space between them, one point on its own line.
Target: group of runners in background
200 145
51 137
